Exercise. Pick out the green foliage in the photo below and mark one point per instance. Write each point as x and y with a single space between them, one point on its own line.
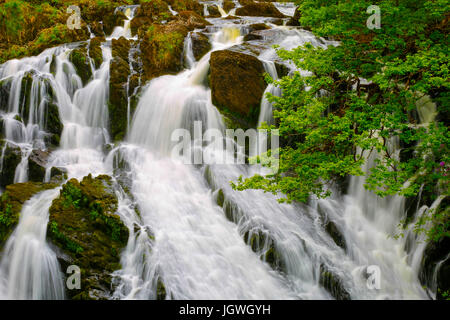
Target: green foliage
329 130
72 196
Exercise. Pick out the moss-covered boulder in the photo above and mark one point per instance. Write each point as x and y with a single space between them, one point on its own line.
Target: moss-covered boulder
228 5
5 87
85 228
237 85
80 60
295 20
200 45
261 9
118 96
150 12
11 159
213 11
186 5
333 284
11 202
192 20
95 51
162 49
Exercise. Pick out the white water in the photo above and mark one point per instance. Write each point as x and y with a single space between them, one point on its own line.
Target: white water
195 251
29 268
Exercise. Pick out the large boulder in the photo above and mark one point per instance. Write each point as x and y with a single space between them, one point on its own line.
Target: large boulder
186 5
200 45
118 96
259 10
237 85
192 20
162 49
86 232
11 202
148 13
295 20
80 61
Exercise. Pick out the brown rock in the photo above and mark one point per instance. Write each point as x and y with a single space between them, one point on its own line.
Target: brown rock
237 85
259 10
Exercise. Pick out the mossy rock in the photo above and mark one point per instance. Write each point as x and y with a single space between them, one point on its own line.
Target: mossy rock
11 159
336 234
259 10
11 202
333 284
237 86
200 45
186 5
118 95
162 49
80 60
95 51
295 20
213 11
5 88
88 233
154 11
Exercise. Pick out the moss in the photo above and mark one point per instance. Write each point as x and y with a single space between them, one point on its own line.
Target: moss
160 290
83 224
79 59
333 284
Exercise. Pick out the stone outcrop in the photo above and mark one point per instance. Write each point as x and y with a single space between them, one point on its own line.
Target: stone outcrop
261 9
237 85
87 232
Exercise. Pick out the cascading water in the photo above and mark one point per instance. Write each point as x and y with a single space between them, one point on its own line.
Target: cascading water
259 248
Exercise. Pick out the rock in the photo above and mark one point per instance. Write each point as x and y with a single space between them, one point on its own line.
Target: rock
192 20
186 5
11 202
200 45
295 20
436 252
259 10
333 284
258 26
237 85
5 87
112 20
84 226
335 234
213 11
118 96
148 13
11 159
95 51
253 36
37 163
228 5
80 60
162 49
245 2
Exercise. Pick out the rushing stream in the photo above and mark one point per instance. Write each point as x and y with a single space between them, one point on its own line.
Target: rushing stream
195 250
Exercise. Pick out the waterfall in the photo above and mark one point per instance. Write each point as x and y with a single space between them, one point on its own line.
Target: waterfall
183 236
29 268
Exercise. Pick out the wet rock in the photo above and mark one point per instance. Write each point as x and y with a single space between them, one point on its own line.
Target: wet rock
258 26
237 85
160 290
186 5
259 10
335 234
228 5
11 159
253 36
11 202
213 11
333 284
148 13
5 86
95 51
436 252
295 20
162 49
200 45
118 96
80 60
87 232
192 20
112 20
